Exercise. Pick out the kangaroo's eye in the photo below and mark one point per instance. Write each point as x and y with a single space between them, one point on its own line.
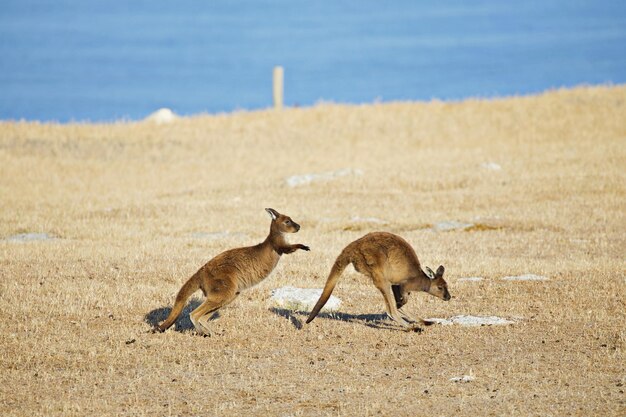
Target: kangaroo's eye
288 222
440 288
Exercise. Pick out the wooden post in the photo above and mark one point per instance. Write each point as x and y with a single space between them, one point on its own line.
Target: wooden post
278 87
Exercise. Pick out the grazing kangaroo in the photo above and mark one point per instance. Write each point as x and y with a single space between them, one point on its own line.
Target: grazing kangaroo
393 266
225 276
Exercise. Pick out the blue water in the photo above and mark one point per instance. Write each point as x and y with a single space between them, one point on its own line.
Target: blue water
105 60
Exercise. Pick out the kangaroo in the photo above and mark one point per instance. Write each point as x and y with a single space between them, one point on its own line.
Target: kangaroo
393 266
224 277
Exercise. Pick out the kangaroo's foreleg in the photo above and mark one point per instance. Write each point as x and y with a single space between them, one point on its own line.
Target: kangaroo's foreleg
400 295
293 248
214 301
401 298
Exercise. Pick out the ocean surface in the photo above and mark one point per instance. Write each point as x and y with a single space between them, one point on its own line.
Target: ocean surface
73 60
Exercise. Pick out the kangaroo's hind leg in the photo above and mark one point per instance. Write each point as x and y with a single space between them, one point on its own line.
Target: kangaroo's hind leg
390 303
214 301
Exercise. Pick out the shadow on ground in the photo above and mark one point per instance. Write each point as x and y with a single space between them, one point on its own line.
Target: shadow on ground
296 318
376 321
183 323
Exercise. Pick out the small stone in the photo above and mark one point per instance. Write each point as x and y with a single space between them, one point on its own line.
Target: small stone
470 279
464 378
491 166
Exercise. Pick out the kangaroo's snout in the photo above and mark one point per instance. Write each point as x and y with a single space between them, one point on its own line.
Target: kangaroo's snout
447 297
296 225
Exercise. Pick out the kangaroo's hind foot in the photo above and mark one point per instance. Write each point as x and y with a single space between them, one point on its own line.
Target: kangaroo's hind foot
201 328
407 317
156 329
413 320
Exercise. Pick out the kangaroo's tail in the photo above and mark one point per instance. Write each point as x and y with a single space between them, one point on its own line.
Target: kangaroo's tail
192 285
338 267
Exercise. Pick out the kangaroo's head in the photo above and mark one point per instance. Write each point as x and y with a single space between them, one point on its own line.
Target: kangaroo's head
438 286
282 223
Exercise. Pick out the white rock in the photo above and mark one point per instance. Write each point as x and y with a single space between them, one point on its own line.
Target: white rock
302 299
470 279
162 116
491 166
525 277
464 378
297 180
451 225
464 320
367 220
29 237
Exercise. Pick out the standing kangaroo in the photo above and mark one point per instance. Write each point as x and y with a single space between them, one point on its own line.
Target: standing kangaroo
225 276
393 266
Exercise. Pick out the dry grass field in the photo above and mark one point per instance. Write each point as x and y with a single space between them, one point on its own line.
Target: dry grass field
133 209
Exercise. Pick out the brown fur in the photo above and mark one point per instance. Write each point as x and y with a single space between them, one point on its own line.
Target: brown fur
393 266
225 276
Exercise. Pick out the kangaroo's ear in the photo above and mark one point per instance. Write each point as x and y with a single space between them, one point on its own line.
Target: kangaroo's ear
430 273
272 213
440 271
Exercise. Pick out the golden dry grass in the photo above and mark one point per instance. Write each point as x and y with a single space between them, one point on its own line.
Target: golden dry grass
128 204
